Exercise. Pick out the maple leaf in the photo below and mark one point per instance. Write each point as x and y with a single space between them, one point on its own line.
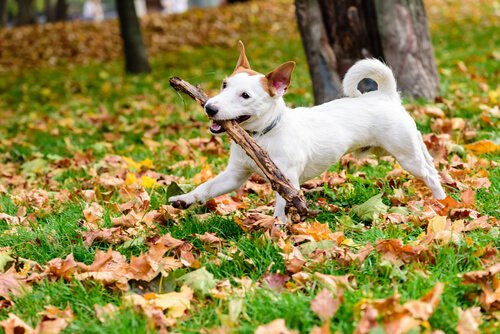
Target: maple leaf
54 320
315 230
93 214
176 303
371 209
490 285
469 320
335 283
201 281
11 283
482 146
276 281
324 305
277 326
14 325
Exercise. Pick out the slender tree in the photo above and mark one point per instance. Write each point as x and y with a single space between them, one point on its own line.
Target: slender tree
335 34
136 59
3 13
61 12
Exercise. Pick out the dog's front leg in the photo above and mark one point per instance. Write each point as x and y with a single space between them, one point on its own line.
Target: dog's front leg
227 181
280 206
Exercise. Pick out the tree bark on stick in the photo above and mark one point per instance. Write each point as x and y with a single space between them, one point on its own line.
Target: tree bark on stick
136 59
336 34
279 182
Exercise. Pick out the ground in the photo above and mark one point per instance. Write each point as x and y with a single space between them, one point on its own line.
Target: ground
88 158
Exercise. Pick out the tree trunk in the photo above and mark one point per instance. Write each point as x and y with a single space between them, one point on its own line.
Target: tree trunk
320 55
336 34
3 13
26 12
403 29
136 59
61 13
49 11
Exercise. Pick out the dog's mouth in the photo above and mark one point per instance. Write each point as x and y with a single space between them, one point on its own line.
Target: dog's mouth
216 128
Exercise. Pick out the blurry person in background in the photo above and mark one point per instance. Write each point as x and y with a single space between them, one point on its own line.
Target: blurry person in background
174 6
92 11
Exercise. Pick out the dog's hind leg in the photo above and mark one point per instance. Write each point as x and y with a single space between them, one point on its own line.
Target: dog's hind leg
414 157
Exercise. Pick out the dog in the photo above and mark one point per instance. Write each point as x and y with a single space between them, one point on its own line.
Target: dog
304 142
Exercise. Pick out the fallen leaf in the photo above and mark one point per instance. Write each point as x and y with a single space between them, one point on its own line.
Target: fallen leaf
482 146
175 303
469 320
324 305
371 209
277 326
201 281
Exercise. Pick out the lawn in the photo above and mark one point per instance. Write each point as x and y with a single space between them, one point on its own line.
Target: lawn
89 244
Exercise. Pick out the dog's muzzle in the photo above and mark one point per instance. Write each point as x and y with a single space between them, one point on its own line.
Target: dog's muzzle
211 110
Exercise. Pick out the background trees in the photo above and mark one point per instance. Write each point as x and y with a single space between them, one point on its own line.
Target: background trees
335 34
136 59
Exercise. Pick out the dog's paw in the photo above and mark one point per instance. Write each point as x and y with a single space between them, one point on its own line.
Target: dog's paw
182 201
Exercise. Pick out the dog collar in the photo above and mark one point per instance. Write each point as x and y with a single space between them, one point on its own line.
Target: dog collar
267 128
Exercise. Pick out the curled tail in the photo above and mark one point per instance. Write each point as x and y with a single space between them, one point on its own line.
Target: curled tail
373 69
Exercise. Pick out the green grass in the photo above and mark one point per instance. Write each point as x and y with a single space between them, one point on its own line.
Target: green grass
52 114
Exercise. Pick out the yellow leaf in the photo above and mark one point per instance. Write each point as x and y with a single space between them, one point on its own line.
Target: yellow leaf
348 242
147 182
483 146
130 179
436 224
204 175
131 163
176 303
148 163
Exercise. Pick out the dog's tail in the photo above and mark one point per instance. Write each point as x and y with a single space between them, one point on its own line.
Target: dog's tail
373 69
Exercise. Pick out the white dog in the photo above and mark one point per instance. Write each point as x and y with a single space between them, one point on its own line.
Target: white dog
304 142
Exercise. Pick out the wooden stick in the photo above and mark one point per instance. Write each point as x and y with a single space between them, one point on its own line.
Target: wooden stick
279 182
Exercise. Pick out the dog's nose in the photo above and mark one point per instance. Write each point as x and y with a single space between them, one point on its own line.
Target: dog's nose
211 110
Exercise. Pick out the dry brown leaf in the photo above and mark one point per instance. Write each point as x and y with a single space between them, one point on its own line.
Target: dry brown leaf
277 326
14 325
368 319
469 320
93 214
325 305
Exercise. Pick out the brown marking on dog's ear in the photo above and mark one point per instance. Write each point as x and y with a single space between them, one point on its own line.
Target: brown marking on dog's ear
265 84
278 80
242 63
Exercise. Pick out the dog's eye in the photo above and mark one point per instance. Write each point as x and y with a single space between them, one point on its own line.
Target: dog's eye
224 85
245 96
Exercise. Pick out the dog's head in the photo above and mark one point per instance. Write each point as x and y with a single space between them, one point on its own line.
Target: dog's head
249 97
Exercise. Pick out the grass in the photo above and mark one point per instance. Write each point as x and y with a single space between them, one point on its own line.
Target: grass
87 112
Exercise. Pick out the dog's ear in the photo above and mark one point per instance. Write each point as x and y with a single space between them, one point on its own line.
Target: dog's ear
279 79
242 60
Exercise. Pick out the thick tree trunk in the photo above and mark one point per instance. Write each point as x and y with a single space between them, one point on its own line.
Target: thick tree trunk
136 59
402 26
26 12
3 13
320 55
336 34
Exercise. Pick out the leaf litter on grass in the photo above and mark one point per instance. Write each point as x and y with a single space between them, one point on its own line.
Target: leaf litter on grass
375 229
